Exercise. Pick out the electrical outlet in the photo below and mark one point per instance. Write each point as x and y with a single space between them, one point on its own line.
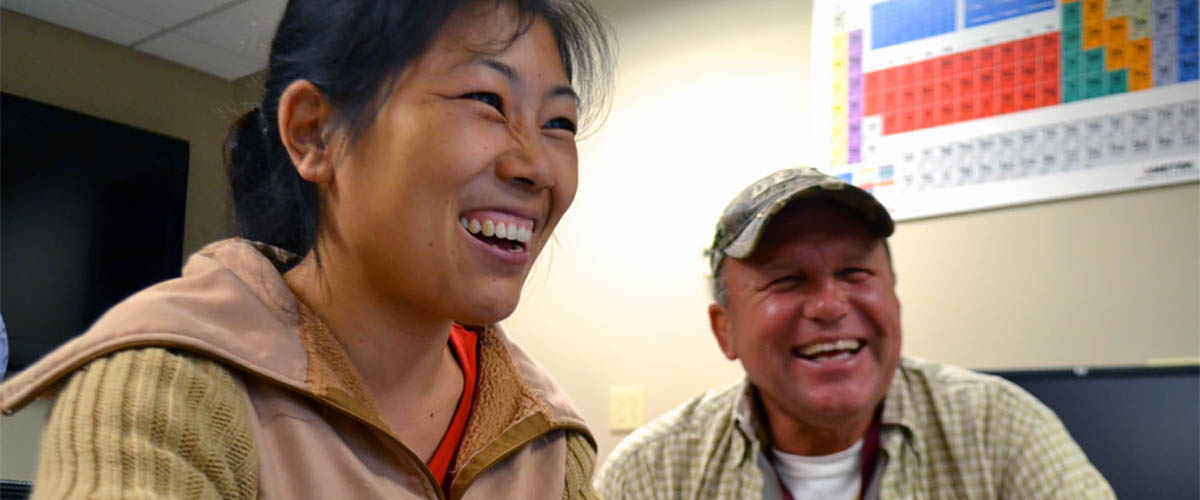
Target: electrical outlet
627 407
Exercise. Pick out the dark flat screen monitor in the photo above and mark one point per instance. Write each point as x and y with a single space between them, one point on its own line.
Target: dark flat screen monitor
1139 426
90 212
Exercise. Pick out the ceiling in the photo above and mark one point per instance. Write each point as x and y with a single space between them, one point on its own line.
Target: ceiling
226 38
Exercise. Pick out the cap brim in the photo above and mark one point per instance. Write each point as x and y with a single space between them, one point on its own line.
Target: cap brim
860 201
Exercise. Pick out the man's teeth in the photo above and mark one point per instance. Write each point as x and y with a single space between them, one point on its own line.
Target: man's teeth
489 228
841 345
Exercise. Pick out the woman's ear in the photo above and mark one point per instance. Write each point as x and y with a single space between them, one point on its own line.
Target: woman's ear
304 118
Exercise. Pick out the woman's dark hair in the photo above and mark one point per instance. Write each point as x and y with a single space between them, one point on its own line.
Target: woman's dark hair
353 51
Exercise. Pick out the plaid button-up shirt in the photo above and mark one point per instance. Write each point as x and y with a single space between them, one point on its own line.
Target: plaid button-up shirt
947 433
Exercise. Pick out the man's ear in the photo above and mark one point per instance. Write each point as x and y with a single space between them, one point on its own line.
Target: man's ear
304 117
718 320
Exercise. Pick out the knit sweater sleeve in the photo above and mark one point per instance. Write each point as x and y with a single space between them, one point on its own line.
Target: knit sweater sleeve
148 423
581 460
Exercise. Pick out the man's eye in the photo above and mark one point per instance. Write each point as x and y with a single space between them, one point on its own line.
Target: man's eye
490 98
852 272
786 281
561 123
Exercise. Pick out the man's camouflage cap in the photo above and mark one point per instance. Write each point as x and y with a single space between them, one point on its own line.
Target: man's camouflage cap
745 218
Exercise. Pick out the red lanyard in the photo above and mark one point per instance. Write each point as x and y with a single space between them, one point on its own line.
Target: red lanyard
870 455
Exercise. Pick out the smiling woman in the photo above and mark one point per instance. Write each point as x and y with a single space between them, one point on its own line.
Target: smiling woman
408 163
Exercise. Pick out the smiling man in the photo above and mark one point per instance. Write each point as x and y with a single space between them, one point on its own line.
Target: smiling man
804 296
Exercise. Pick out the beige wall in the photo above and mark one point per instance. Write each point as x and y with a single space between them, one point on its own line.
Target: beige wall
68 69
712 95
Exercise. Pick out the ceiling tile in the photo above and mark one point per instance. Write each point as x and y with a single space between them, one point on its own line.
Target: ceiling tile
161 13
85 17
202 56
246 28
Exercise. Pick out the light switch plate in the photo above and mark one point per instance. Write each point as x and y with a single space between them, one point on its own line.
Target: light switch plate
627 407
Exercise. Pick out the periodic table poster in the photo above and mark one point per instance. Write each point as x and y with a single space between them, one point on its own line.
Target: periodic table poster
945 106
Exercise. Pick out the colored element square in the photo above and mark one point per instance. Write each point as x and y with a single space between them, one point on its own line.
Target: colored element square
1048 93
1006 53
1139 25
1027 97
965 110
1048 68
985 105
1006 102
1027 48
1141 51
946 111
944 91
871 103
1072 14
1027 72
1166 72
1187 13
1140 76
1116 30
890 78
986 57
891 100
1188 40
965 85
872 81
927 117
1118 82
1006 78
908 96
907 74
908 120
985 80
965 62
926 92
1093 35
1117 57
1072 39
927 70
945 67
1165 19
1093 11
1188 69
1048 44
1072 89
1093 85
1072 64
891 122
1093 61
838 156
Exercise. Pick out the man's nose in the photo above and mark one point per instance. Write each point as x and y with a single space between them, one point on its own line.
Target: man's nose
827 303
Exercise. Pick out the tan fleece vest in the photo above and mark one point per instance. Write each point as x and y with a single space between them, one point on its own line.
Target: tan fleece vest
317 430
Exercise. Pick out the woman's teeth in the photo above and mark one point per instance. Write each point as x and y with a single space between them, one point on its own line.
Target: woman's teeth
493 229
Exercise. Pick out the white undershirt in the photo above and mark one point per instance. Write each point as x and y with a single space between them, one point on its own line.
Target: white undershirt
832 477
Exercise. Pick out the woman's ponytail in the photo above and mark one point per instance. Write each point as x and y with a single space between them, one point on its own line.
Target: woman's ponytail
272 203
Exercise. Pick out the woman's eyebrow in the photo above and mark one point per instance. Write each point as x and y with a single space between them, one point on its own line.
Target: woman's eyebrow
505 70
510 74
